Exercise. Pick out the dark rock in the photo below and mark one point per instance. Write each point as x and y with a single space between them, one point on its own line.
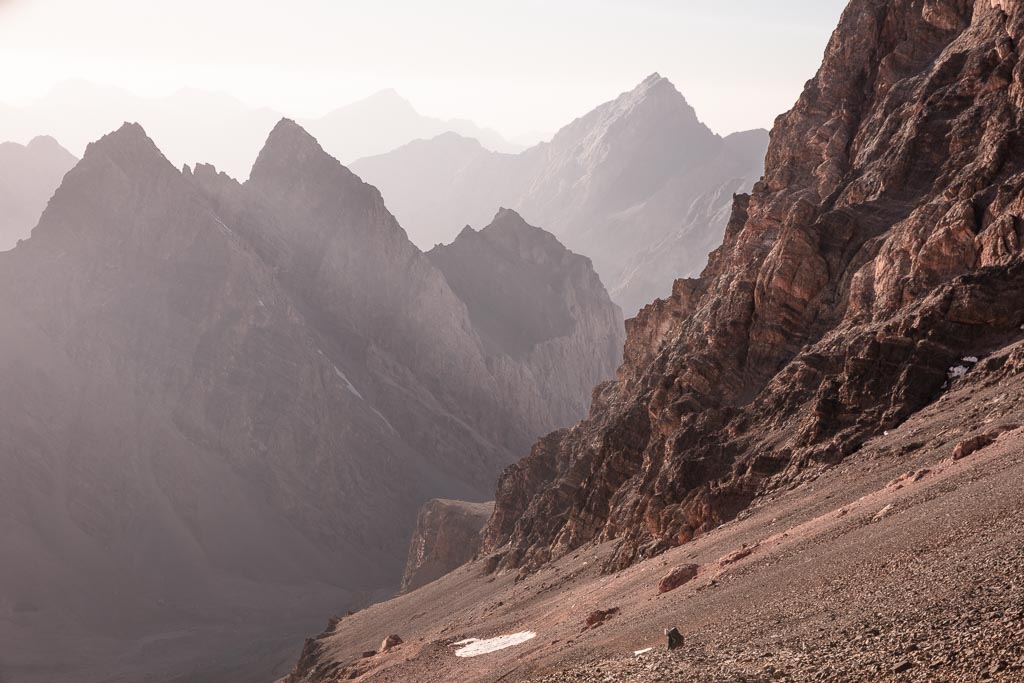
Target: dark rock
675 638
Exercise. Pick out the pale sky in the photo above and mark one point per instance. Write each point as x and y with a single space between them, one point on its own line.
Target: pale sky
518 66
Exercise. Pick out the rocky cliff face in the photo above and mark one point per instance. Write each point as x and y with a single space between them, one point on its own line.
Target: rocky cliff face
28 176
880 249
227 402
639 185
447 536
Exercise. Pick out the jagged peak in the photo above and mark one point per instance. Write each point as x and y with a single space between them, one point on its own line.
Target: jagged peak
288 146
656 84
128 145
288 133
508 227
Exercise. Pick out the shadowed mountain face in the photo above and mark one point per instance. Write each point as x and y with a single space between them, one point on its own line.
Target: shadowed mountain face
28 176
639 185
877 260
226 403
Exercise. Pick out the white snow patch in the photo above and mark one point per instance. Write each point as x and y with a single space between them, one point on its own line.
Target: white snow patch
383 419
642 652
348 385
973 360
957 371
474 647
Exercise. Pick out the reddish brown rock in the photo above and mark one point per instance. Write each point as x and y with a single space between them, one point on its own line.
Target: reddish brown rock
972 445
598 617
677 577
881 247
737 555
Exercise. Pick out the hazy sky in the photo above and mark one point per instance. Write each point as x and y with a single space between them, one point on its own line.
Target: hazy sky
515 65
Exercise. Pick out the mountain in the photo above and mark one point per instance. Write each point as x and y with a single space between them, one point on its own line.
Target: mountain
385 121
226 402
192 125
28 176
821 432
863 267
639 185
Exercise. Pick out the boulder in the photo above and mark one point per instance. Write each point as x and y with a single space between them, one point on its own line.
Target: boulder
677 577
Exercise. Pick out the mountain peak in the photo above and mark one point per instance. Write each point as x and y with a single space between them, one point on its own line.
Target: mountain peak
656 84
128 145
43 142
289 133
289 145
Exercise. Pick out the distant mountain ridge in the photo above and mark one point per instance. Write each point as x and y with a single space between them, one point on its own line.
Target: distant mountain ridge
225 403
639 185
28 176
193 125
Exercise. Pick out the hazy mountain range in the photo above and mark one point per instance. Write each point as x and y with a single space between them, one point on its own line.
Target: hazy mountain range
193 125
639 185
224 403
28 176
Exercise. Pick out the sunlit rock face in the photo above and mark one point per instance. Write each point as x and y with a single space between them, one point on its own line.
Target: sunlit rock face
882 246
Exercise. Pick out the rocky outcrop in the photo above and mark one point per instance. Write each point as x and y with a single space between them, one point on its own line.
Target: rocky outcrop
215 389
880 248
28 176
639 185
447 536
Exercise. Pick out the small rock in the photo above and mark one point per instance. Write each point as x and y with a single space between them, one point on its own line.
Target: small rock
883 513
390 642
369 653
745 551
675 638
598 617
905 665
972 445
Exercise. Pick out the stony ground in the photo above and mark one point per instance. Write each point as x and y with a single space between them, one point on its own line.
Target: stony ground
899 564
